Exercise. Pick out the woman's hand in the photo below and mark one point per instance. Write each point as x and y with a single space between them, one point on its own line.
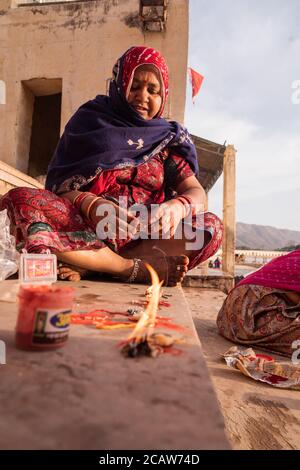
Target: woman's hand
166 218
112 221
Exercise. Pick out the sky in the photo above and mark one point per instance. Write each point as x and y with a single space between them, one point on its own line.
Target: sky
249 54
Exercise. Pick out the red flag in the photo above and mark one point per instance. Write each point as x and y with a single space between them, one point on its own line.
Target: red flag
196 80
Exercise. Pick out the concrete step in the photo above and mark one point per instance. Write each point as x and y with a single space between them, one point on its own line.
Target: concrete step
11 178
206 278
88 396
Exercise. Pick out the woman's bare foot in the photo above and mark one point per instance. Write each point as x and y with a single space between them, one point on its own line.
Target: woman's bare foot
170 269
67 272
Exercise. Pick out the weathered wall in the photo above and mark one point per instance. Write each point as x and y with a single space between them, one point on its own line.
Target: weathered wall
77 42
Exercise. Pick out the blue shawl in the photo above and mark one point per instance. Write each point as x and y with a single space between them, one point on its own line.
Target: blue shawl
107 133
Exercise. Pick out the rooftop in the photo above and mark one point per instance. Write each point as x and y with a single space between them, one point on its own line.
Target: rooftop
210 159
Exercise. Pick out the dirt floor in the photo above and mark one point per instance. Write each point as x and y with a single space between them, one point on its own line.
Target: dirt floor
257 416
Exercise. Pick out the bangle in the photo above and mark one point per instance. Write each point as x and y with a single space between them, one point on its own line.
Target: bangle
185 204
78 200
85 203
88 211
189 204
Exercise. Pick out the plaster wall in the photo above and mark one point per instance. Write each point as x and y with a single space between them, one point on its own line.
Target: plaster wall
76 44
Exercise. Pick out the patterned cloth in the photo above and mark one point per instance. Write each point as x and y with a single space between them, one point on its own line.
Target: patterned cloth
125 67
280 273
41 220
151 183
260 316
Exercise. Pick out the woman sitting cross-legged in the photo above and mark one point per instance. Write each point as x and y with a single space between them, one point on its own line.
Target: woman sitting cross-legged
117 151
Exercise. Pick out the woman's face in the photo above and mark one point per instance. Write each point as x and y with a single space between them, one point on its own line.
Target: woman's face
145 93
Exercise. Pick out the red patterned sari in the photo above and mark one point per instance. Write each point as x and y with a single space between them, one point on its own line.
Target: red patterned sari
41 220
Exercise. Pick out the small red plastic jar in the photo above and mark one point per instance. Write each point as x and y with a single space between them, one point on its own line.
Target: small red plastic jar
44 316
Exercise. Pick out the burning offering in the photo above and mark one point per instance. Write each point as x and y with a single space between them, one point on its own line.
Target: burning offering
143 341
152 346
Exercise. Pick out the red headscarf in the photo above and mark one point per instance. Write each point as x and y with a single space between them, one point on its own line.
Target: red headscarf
280 273
135 57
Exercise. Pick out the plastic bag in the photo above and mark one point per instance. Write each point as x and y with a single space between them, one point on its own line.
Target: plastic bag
9 257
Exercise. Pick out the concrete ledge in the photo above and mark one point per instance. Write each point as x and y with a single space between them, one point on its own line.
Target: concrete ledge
12 178
223 282
88 396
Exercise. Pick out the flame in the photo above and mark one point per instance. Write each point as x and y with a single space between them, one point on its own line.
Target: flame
146 323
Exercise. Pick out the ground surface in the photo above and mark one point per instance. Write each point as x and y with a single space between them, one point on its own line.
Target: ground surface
257 416
88 396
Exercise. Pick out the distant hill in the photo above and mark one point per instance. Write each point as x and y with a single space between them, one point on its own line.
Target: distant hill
264 237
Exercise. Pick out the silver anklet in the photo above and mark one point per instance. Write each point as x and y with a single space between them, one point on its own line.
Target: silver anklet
136 267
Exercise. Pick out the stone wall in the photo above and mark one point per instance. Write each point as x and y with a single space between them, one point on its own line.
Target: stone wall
70 48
